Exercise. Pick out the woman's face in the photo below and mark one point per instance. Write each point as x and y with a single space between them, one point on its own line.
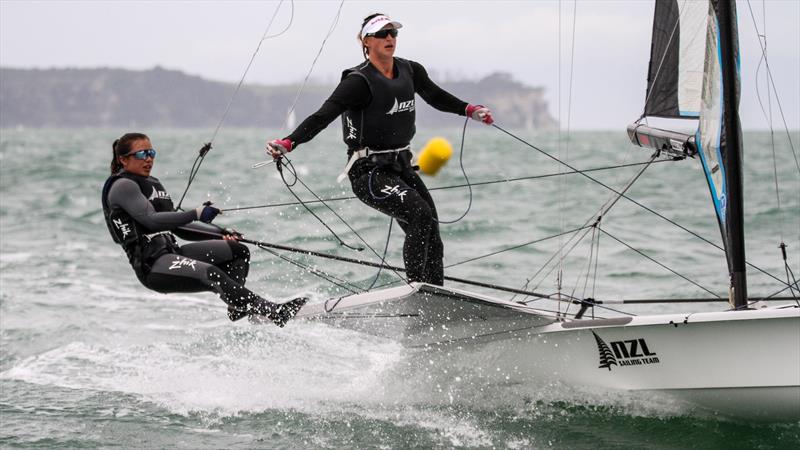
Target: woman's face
382 48
138 166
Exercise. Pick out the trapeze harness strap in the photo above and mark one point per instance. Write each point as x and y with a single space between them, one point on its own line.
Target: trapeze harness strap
141 246
363 153
387 123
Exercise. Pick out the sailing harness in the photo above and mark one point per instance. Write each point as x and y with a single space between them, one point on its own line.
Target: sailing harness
141 245
381 158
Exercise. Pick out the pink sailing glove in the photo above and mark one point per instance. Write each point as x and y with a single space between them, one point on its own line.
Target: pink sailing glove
480 113
278 147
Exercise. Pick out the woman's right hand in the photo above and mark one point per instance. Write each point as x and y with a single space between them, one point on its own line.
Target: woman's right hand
206 213
279 147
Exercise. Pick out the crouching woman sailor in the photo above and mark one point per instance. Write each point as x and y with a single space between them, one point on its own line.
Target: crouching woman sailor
141 218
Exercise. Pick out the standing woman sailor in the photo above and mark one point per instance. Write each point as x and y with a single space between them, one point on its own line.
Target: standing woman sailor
141 218
376 102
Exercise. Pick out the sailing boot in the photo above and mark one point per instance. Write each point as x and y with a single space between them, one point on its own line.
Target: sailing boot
290 309
279 314
235 313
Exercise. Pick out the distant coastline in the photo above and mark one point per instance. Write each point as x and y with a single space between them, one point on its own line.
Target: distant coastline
108 97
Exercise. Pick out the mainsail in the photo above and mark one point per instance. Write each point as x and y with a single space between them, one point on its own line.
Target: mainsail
675 74
694 74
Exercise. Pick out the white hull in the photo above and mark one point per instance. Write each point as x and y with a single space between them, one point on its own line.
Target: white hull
744 363
739 363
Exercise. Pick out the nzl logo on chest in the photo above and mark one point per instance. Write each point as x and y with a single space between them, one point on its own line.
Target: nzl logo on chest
399 107
630 352
156 194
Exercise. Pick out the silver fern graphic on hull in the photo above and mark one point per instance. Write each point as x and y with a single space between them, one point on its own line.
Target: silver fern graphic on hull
606 355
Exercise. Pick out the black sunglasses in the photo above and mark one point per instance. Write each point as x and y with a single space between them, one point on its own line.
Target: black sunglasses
381 34
143 154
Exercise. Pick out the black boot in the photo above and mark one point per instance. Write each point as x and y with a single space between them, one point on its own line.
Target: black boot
235 313
279 314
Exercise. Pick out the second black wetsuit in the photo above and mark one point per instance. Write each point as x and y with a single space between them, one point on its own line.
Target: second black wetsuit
379 113
140 216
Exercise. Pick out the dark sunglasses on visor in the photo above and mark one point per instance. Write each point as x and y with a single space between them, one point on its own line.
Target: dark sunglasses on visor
143 154
381 34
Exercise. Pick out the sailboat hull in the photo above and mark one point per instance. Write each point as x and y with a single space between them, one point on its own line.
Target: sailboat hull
744 364
737 363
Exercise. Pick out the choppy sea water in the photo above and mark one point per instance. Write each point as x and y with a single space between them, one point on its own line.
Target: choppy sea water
92 359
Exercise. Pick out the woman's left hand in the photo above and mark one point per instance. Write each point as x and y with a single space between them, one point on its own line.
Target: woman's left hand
231 235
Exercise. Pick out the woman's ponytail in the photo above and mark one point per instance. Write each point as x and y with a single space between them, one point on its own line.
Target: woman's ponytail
116 166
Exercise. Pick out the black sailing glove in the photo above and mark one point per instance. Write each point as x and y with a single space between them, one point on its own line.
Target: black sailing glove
206 213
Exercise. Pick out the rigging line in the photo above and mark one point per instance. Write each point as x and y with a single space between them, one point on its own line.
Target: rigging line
466 178
383 258
562 255
314 63
588 271
347 224
325 276
571 73
772 81
562 192
193 172
596 217
589 261
596 260
660 264
279 165
774 294
641 205
556 253
456 186
514 247
560 168
507 289
264 37
768 116
205 149
394 268
573 300
789 274
684 300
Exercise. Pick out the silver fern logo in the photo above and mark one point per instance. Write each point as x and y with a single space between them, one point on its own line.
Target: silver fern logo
606 355
629 352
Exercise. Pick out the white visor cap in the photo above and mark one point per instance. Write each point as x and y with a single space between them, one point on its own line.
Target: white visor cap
377 23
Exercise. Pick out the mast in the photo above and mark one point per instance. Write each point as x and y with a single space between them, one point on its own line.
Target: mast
729 43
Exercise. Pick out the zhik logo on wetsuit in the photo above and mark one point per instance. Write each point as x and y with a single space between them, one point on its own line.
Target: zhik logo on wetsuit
182 262
407 105
351 130
122 227
156 194
389 190
630 352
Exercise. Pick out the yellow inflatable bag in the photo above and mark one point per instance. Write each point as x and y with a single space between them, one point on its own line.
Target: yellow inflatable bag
434 155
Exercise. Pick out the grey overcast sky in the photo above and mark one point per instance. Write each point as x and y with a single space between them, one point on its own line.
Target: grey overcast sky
453 39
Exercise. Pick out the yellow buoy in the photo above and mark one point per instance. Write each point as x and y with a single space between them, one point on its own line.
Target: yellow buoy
434 155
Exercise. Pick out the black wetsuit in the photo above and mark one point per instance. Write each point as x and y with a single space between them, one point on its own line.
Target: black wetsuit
140 216
378 113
